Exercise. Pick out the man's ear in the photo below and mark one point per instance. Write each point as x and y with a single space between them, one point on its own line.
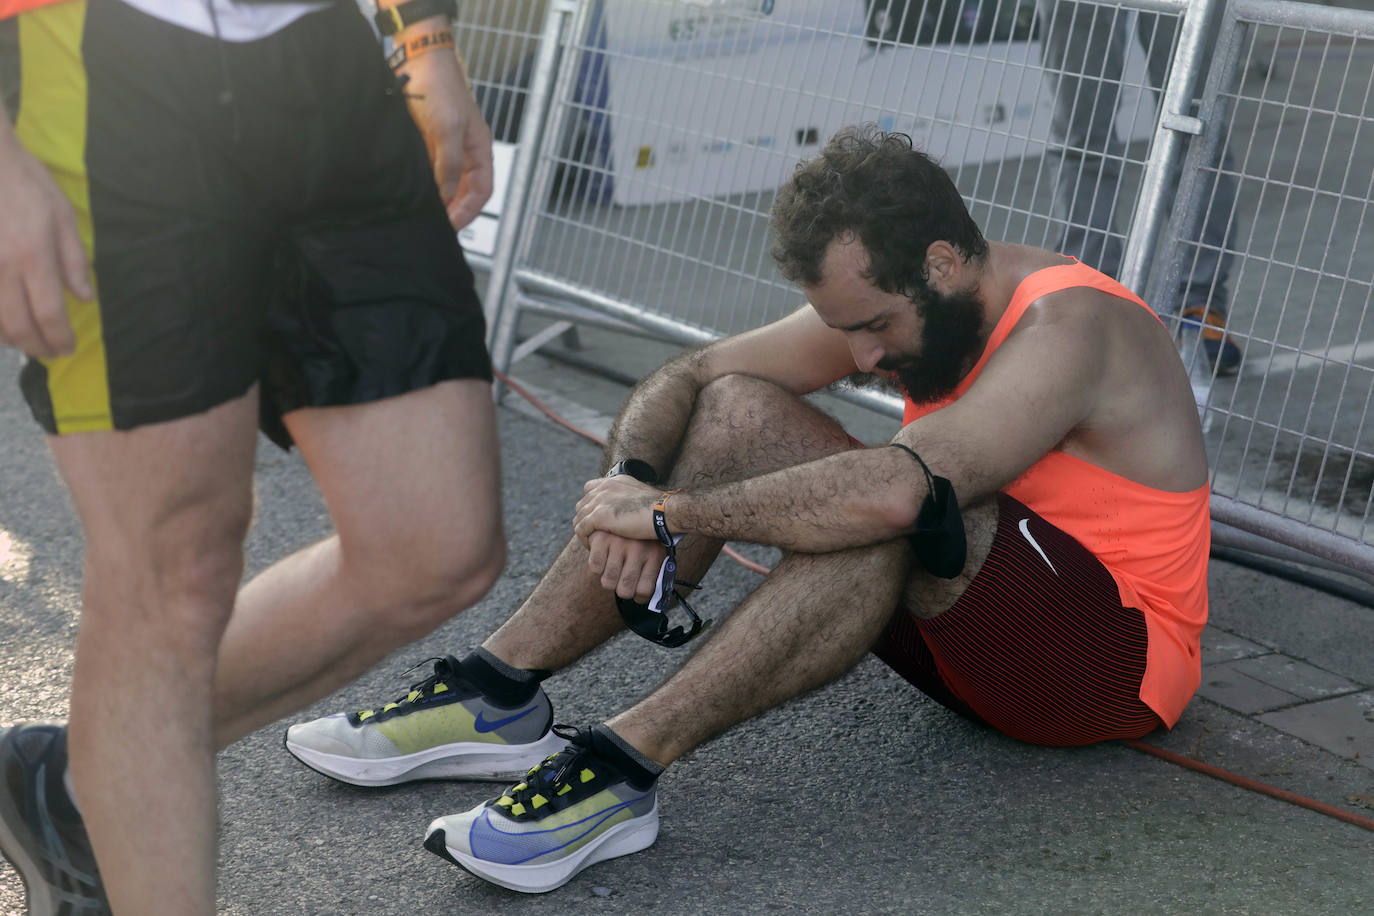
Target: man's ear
944 265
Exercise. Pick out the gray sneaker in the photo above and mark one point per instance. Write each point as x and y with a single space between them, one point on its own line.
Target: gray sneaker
41 833
444 728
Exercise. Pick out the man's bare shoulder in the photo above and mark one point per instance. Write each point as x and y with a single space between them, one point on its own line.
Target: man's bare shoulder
1142 423
1089 313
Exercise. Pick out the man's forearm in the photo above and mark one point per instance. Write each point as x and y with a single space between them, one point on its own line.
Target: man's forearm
847 500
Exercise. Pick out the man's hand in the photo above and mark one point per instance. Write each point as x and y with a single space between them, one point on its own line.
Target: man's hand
40 254
456 135
618 505
626 566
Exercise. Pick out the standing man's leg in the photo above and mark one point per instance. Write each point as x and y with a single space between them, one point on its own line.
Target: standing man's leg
1083 50
377 363
164 509
412 487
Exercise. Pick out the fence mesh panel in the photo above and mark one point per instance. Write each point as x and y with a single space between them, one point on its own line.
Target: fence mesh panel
1291 111
684 118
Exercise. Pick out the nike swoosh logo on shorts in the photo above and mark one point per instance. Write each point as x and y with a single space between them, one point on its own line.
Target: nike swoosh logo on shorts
1025 533
483 725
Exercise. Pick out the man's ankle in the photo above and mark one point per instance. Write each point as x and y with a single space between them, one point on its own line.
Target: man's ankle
641 771
504 684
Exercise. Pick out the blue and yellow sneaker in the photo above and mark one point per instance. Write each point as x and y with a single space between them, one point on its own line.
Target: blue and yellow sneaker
41 832
583 805
446 727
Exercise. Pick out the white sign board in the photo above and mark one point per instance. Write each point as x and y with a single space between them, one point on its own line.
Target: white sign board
479 236
727 96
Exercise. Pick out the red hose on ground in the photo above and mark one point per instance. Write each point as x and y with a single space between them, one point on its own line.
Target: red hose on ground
1251 784
1178 759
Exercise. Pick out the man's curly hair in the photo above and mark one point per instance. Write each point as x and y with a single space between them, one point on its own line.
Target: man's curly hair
874 186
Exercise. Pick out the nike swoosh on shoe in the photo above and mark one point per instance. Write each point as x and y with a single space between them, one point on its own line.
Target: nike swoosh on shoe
489 842
484 725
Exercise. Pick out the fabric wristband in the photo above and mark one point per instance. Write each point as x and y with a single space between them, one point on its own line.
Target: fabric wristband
413 47
393 19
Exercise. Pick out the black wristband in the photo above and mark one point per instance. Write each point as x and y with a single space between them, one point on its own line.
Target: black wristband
394 18
642 471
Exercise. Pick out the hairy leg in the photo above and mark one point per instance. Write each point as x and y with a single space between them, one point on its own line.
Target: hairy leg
164 508
811 620
741 427
412 486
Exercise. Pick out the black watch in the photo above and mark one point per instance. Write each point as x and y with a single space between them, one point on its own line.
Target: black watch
392 19
642 471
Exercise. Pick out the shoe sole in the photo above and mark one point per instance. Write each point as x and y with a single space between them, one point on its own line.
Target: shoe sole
462 760
620 840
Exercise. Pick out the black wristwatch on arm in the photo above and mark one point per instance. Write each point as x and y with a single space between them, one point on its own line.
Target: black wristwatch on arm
395 18
642 471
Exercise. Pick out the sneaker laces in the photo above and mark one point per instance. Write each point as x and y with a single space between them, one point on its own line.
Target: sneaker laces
554 777
447 676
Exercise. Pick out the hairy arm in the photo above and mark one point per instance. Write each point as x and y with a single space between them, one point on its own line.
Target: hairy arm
798 353
1037 388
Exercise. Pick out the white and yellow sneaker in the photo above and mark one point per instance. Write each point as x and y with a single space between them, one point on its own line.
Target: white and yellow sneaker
444 728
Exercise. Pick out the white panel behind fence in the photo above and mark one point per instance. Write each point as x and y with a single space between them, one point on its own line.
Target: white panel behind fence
685 118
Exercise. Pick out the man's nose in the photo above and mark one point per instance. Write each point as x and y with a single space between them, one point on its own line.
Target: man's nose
866 353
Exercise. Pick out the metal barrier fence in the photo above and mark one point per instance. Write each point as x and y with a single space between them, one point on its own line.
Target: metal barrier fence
1288 112
656 132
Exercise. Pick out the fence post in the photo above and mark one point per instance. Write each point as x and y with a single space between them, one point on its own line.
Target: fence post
532 130
1176 119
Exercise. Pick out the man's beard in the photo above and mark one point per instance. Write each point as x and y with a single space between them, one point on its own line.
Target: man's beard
951 340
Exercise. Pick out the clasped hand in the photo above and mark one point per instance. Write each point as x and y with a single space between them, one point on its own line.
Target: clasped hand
614 521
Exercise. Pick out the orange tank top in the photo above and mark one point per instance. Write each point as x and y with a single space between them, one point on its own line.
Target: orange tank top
10 8
1155 543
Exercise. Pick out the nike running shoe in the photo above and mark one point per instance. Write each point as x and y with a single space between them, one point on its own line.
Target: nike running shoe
575 809
41 833
444 728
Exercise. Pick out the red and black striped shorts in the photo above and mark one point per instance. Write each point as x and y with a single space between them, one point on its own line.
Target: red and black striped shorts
1038 646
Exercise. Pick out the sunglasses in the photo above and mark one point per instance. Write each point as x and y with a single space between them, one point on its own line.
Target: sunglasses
651 620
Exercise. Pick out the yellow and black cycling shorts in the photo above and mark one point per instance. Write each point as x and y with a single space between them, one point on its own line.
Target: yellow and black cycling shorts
256 212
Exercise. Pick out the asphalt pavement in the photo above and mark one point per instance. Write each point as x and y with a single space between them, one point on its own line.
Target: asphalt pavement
863 797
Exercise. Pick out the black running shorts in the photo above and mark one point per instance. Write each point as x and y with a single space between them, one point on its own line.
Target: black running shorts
1039 645
258 211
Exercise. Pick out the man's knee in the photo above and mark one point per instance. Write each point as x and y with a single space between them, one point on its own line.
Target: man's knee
738 402
417 590
744 426
173 578
927 596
